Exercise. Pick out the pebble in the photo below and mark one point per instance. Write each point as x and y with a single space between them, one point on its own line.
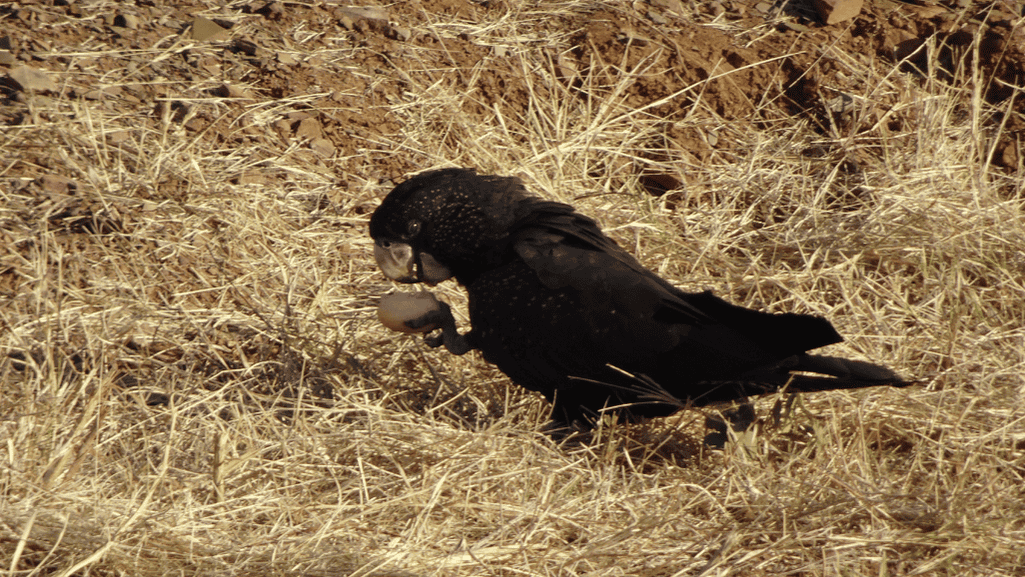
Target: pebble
33 79
836 11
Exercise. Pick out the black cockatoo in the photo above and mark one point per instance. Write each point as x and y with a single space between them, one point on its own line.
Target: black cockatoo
562 309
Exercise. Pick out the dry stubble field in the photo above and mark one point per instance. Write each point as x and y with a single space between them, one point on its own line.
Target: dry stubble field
193 380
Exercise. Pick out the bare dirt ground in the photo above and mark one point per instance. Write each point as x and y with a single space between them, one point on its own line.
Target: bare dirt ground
193 380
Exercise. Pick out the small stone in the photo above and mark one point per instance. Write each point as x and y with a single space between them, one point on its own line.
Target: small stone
928 12
233 91
1007 154
196 124
565 68
32 79
129 21
284 128
248 48
273 11
323 147
6 58
55 184
657 18
673 5
206 30
796 27
363 13
835 11
309 128
400 33
630 36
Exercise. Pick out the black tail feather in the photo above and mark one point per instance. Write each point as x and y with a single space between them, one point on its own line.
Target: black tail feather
641 395
794 374
830 373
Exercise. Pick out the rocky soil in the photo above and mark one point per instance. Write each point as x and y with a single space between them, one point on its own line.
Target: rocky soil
334 79
194 380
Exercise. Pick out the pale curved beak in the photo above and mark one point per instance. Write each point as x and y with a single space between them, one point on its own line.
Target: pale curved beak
396 260
399 262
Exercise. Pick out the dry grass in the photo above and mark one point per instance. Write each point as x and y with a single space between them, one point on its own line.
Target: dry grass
194 381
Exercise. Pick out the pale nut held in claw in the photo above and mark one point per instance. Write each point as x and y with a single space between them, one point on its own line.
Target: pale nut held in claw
396 309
